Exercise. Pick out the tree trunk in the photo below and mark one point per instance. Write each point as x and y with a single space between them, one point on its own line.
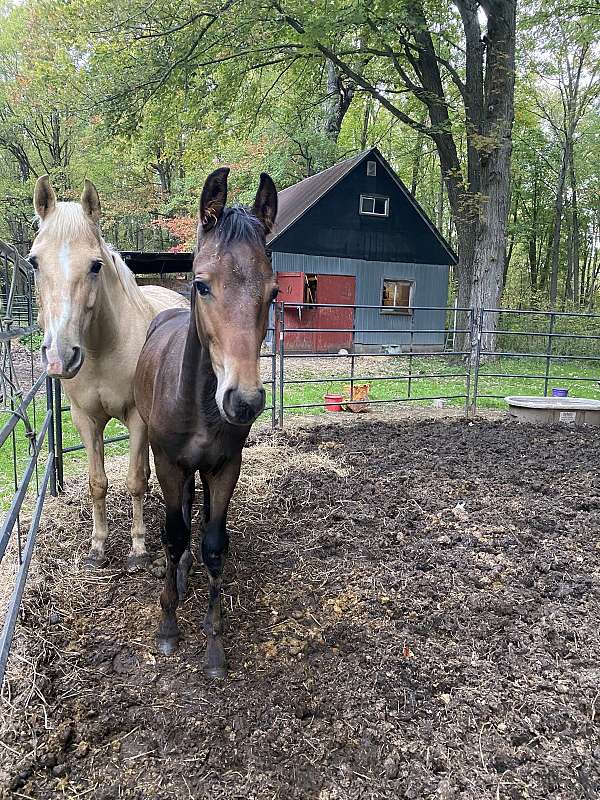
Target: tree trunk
440 206
556 229
574 229
365 126
340 93
416 163
490 244
533 265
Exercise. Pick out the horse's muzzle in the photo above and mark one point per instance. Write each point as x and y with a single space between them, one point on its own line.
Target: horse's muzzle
63 365
242 407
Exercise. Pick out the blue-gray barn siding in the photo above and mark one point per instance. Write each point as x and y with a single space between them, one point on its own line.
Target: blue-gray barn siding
430 289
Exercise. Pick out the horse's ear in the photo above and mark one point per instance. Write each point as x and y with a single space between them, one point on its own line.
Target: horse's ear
214 197
90 201
265 202
44 199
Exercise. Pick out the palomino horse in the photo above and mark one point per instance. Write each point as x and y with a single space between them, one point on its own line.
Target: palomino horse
198 387
95 319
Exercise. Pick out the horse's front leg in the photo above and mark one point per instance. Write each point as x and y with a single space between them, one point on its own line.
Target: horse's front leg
175 537
91 430
214 549
137 486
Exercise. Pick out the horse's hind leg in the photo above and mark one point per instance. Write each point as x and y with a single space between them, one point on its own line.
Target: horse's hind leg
185 563
175 537
214 550
137 486
92 432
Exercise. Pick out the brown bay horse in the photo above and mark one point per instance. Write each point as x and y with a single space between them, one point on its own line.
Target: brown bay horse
198 388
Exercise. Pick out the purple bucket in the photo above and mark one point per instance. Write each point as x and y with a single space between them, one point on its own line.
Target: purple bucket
560 392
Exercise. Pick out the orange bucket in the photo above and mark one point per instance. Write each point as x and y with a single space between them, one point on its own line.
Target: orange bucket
333 402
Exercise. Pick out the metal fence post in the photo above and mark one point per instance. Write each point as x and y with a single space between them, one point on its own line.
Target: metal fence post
58 441
51 446
410 356
281 357
549 352
274 373
468 365
475 357
352 353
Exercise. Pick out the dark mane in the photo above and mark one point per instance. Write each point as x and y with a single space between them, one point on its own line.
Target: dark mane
238 224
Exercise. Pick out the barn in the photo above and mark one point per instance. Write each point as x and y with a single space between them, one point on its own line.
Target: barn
353 234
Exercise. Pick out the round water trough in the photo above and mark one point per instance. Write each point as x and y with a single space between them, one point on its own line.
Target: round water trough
551 410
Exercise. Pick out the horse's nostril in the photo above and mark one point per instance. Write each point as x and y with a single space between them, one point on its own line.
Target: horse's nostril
227 404
76 359
242 408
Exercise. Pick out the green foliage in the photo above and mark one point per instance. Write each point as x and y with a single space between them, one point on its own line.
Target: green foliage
146 99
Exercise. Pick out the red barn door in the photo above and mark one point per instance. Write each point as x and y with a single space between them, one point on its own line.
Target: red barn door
338 290
297 287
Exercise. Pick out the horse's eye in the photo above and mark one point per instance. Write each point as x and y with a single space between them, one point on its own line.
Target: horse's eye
96 267
202 288
34 262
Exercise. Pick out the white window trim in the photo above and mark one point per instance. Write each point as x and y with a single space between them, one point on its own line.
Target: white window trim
373 197
402 310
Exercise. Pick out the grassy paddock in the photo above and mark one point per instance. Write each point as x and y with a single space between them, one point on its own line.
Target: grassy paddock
562 373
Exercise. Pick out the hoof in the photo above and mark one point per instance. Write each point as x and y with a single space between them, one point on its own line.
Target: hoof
215 673
94 560
136 563
167 645
215 665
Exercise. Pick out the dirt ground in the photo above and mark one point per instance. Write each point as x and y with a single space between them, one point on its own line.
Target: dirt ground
413 612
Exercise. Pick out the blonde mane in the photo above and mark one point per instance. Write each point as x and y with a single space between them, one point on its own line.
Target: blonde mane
68 222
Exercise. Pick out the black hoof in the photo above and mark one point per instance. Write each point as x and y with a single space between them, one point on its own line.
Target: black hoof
94 560
215 673
167 645
215 664
136 563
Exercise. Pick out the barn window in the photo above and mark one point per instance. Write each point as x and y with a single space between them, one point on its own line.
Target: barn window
396 296
310 289
374 205
371 169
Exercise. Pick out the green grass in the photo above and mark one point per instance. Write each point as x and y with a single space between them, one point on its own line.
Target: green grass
451 383
15 453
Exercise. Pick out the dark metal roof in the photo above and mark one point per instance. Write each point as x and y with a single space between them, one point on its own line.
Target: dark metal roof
296 200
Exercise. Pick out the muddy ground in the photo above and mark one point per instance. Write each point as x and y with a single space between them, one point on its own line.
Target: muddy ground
413 612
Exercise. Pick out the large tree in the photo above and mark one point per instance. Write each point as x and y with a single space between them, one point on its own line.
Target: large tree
463 74
455 61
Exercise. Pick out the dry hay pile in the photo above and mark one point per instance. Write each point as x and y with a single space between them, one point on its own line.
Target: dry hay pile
413 613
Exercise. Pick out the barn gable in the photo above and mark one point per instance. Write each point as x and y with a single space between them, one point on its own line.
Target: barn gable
321 216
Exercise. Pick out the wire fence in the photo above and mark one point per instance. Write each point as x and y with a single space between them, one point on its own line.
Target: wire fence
417 357
539 350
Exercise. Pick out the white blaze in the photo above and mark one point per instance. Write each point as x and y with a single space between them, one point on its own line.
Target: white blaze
62 313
